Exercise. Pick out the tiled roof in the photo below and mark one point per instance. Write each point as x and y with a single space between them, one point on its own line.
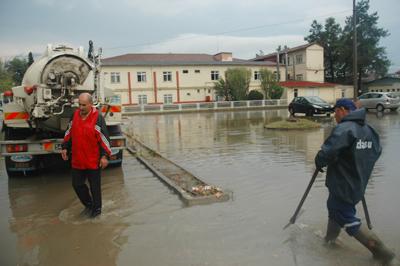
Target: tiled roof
300 84
175 59
384 81
290 50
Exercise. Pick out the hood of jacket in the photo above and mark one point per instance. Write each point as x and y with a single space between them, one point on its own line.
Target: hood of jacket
357 116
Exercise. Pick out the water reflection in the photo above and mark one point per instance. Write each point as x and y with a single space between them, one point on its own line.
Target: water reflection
45 217
235 134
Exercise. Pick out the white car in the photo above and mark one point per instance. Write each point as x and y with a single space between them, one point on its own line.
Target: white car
380 101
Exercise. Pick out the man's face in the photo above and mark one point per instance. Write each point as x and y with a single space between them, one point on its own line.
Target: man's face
340 112
84 105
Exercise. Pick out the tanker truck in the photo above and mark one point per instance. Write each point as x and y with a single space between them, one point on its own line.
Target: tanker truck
37 115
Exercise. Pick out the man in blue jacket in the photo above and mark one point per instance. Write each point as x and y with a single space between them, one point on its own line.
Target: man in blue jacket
350 152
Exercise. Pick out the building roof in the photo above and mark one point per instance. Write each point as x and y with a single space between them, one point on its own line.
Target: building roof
175 59
290 50
305 84
384 81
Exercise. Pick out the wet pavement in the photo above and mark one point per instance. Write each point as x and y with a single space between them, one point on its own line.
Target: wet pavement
145 223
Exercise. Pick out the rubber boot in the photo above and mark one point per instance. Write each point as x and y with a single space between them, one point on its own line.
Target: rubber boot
375 245
332 231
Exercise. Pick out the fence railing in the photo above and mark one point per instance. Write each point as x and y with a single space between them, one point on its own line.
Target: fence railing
203 106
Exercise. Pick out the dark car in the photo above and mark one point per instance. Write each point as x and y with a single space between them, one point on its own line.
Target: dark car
310 105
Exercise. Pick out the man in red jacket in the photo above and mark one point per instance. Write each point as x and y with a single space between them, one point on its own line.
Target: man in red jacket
87 140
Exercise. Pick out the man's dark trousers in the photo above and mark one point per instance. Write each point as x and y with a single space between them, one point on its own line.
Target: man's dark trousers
79 177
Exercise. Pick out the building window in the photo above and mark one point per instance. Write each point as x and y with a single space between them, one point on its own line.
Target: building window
288 61
299 77
167 98
115 77
141 76
214 75
296 92
275 75
343 93
198 90
167 76
185 71
197 71
257 75
299 59
142 99
209 90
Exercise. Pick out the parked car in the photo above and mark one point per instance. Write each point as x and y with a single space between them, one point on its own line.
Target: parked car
380 101
310 105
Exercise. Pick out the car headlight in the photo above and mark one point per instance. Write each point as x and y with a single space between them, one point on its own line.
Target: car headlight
317 106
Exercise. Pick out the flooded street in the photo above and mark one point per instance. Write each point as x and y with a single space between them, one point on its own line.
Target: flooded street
145 223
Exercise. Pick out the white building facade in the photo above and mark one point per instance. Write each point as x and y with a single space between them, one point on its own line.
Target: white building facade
173 78
184 78
304 72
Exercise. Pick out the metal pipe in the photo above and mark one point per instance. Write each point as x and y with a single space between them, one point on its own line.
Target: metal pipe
293 219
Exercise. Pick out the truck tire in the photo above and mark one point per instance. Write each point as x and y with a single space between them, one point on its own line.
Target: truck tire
8 163
113 131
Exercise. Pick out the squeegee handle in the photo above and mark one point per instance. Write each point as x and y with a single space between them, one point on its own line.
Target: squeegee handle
294 217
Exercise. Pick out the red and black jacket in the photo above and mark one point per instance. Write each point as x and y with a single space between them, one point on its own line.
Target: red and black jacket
87 140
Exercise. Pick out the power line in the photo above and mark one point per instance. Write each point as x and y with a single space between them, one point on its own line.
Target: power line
231 31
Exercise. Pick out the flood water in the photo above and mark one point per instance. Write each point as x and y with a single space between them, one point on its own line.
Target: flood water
145 223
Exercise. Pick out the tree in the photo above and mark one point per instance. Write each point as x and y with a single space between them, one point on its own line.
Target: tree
372 58
338 45
222 90
235 86
6 81
268 79
238 81
328 37
30 59
17 67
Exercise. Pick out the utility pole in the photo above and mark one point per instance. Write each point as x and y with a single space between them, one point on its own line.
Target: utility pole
278 74
286 62
355 82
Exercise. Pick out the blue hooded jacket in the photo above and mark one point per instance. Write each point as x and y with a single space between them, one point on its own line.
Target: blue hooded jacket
350 153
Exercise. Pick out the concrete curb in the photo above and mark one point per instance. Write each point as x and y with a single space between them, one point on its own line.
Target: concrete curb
188 198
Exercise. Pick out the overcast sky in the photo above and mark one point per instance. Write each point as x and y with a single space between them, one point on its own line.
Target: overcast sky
178 26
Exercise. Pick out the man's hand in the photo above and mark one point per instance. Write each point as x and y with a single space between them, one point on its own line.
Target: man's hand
64 155
103 162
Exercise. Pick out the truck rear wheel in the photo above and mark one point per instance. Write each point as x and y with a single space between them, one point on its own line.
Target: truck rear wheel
116 159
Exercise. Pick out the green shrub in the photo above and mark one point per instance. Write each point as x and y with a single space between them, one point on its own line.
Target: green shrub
255 95
276 92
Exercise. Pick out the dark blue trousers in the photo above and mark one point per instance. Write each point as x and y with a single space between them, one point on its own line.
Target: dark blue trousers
344 214
93 199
